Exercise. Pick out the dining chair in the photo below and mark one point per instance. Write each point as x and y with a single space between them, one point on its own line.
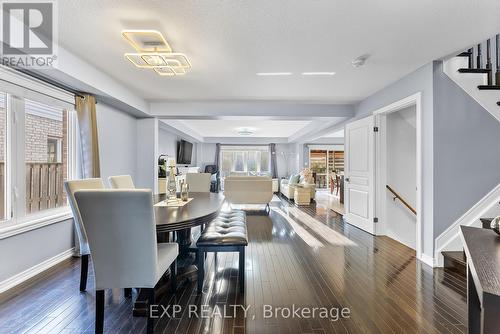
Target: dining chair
121 182
120 226
71 187
198 182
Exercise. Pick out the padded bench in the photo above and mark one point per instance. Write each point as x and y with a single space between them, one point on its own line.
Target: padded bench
226 233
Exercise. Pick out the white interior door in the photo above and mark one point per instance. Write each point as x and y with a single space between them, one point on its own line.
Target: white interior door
359 174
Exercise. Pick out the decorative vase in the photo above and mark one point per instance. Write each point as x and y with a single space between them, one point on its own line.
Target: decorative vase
184 192
171 182
495 225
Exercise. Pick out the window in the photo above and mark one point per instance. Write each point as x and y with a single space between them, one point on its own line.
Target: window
37 149
244 160
54 154
3 132
45 131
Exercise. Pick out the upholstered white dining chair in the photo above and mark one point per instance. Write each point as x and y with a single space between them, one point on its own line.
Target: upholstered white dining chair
120 226
198 182
71 187
121 182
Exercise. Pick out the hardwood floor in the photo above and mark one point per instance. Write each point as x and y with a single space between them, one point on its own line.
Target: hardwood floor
305 257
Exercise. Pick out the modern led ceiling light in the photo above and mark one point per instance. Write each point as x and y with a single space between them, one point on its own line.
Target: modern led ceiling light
147 40
154 52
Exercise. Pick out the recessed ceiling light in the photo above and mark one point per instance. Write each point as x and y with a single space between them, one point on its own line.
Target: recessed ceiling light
318 73
273 73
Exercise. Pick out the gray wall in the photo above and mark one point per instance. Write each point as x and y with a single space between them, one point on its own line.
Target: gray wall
421 81
23 251
466 151
167 144
116 141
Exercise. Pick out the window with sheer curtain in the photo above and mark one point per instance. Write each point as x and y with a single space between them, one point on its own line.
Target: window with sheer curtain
244 160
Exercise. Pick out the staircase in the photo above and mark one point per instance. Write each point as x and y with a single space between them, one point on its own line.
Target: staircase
477 71
456 261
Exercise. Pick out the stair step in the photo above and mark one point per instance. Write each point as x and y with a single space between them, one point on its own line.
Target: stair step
473 70
464 54
486 222
489 87
455 261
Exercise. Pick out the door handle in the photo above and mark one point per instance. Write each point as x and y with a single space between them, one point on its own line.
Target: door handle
346 179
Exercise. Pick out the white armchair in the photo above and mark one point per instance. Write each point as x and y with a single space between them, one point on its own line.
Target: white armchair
288 190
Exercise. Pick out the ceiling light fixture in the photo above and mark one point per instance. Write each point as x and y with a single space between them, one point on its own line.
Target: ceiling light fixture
360 61
154 52
273 73
245 131
318 73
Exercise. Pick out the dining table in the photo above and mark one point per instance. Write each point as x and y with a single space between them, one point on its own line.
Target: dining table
174 224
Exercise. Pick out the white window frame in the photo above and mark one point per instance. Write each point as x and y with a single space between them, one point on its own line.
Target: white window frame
245 149
19 87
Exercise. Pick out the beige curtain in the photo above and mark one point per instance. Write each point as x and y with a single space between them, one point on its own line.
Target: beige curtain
87 122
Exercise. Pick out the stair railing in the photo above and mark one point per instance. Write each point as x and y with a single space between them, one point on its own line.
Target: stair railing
397 196
489 67
497 50
493 76
479 56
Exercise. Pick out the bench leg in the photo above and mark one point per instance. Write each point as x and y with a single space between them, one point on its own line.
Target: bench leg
201 269
241 268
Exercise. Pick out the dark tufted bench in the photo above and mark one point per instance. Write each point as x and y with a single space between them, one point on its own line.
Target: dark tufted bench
226 233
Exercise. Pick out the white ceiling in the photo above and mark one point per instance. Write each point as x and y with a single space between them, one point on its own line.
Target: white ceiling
336 134
229 41
229 128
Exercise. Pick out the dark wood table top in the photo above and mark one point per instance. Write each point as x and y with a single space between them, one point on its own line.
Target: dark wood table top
482 247
203 208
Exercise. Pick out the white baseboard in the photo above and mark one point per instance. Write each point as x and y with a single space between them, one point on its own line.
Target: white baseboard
450 238
428 260
35 270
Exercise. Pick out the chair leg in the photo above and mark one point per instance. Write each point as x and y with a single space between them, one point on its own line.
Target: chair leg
99 311
241 269
201 270
150 293
127 292
84 270
173 275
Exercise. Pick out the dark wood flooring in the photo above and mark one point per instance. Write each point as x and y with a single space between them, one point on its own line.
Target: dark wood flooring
305 257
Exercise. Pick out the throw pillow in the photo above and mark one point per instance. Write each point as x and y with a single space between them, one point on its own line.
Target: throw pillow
294 179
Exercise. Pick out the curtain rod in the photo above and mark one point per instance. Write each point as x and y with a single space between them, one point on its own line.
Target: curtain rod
50 82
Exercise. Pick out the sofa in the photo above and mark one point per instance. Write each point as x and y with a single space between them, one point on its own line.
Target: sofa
287 189
248 189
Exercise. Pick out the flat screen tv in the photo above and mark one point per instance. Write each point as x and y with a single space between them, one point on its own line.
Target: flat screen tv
184 151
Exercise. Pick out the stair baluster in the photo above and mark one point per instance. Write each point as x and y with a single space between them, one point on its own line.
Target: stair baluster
479 56
489 67
471 57
497 60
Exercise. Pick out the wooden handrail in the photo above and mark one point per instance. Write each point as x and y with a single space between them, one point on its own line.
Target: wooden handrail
401 199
